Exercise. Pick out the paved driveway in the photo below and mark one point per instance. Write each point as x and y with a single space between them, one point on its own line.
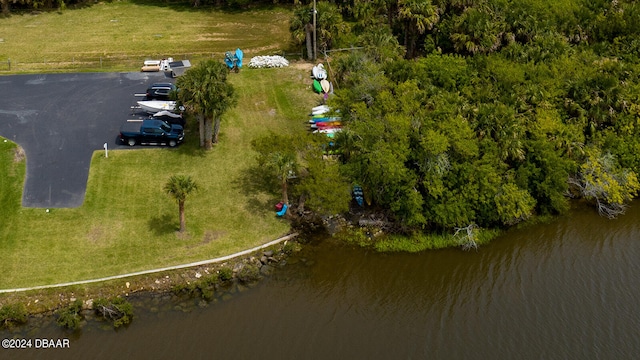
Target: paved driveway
60 120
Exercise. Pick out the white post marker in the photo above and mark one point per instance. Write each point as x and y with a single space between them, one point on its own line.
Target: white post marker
106 150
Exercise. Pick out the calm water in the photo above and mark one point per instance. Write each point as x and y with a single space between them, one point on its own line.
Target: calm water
566 290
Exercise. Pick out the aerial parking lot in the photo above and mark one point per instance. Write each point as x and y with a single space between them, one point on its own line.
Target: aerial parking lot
60 120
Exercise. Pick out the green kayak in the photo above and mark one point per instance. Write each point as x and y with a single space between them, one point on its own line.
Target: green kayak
317 87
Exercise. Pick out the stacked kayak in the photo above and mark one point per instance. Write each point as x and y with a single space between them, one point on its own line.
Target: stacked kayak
320 83
319 73
322 122
335 123
320 110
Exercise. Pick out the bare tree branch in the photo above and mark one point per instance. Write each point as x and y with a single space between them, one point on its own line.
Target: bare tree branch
467 237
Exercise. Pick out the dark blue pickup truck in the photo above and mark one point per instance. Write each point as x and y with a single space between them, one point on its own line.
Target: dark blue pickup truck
151 132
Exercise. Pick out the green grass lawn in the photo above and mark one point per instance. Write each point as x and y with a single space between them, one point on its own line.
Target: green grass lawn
120 35
127 223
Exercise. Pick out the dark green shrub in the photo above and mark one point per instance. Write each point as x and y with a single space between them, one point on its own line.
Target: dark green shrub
13 314
210 280
69 317
355 236
206 292
179 288
238 4
291 247
117 310
206 285
249 273
225 274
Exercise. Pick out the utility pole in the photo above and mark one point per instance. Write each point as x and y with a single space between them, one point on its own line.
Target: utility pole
315 37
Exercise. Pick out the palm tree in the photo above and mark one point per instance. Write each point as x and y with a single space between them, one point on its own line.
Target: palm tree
329 23
179 186
278 157
301 28
204 91
418 16
381 45
285 164
479 31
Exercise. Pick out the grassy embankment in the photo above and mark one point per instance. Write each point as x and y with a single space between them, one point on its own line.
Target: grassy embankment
127 223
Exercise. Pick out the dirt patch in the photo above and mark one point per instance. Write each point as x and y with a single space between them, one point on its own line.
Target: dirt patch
210 37
183 235
209 236
95 234
18 154
302 65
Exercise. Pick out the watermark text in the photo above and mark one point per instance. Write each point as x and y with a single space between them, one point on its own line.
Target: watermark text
36 343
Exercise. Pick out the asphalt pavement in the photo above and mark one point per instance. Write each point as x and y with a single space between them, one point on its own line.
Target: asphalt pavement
60 120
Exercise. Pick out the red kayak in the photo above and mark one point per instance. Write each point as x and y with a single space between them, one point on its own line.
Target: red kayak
328 124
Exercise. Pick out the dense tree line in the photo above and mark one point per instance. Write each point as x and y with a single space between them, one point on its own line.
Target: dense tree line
9 6
486 112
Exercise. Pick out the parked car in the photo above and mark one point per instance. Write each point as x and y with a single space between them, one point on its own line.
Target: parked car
151 132
160 91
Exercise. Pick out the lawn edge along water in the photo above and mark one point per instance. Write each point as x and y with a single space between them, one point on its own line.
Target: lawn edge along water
153 271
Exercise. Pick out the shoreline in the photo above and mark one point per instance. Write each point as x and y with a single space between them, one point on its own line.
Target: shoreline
244 266
154 271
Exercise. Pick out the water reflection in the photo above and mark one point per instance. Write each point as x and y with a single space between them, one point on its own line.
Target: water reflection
555 291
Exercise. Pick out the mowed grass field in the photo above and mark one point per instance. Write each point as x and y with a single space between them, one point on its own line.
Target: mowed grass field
127 223
120 35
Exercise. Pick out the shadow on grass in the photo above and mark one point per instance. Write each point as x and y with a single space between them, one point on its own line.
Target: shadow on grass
165 224
191 144
252 182
193 149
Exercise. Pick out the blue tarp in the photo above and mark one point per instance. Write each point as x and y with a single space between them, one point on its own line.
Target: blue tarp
234 59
